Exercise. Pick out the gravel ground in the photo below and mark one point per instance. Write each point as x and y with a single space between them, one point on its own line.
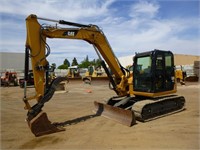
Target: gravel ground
86 131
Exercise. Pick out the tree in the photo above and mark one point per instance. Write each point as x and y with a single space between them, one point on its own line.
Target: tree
97 62
74 62
93 62
65 65
86 59
66 62
85 63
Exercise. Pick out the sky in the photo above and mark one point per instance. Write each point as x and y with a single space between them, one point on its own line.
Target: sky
130 25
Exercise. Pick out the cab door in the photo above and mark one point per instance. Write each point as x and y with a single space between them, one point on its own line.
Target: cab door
163 71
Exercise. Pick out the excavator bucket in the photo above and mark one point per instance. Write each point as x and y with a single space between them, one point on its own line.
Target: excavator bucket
40 125
125 117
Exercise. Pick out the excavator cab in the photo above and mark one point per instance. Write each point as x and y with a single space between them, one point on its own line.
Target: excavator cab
154 86
154 73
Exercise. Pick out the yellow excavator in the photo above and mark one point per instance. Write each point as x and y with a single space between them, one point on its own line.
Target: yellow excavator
145 94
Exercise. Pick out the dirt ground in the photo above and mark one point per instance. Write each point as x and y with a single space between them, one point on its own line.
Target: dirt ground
86 131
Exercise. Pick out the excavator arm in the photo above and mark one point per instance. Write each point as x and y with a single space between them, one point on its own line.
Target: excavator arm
36 43
38 50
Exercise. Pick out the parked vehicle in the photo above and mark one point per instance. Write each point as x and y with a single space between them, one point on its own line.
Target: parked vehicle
9 78
30 80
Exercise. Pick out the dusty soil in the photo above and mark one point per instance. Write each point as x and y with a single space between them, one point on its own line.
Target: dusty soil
85 131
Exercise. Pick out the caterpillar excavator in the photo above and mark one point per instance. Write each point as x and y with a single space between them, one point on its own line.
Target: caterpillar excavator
145 94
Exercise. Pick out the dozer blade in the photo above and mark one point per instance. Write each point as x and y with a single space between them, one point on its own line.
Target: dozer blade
96 80
40 125
125 117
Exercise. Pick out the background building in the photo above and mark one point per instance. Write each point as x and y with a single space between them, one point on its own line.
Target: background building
15 61
11 61
188 63
179 59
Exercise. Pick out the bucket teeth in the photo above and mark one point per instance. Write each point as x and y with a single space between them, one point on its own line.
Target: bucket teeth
125 117
40 125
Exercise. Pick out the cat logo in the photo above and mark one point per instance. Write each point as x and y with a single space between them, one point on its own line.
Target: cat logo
70 33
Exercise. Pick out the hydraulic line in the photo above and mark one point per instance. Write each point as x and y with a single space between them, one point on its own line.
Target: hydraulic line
26 69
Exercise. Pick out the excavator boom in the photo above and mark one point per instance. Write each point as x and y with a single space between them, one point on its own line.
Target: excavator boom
38 50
